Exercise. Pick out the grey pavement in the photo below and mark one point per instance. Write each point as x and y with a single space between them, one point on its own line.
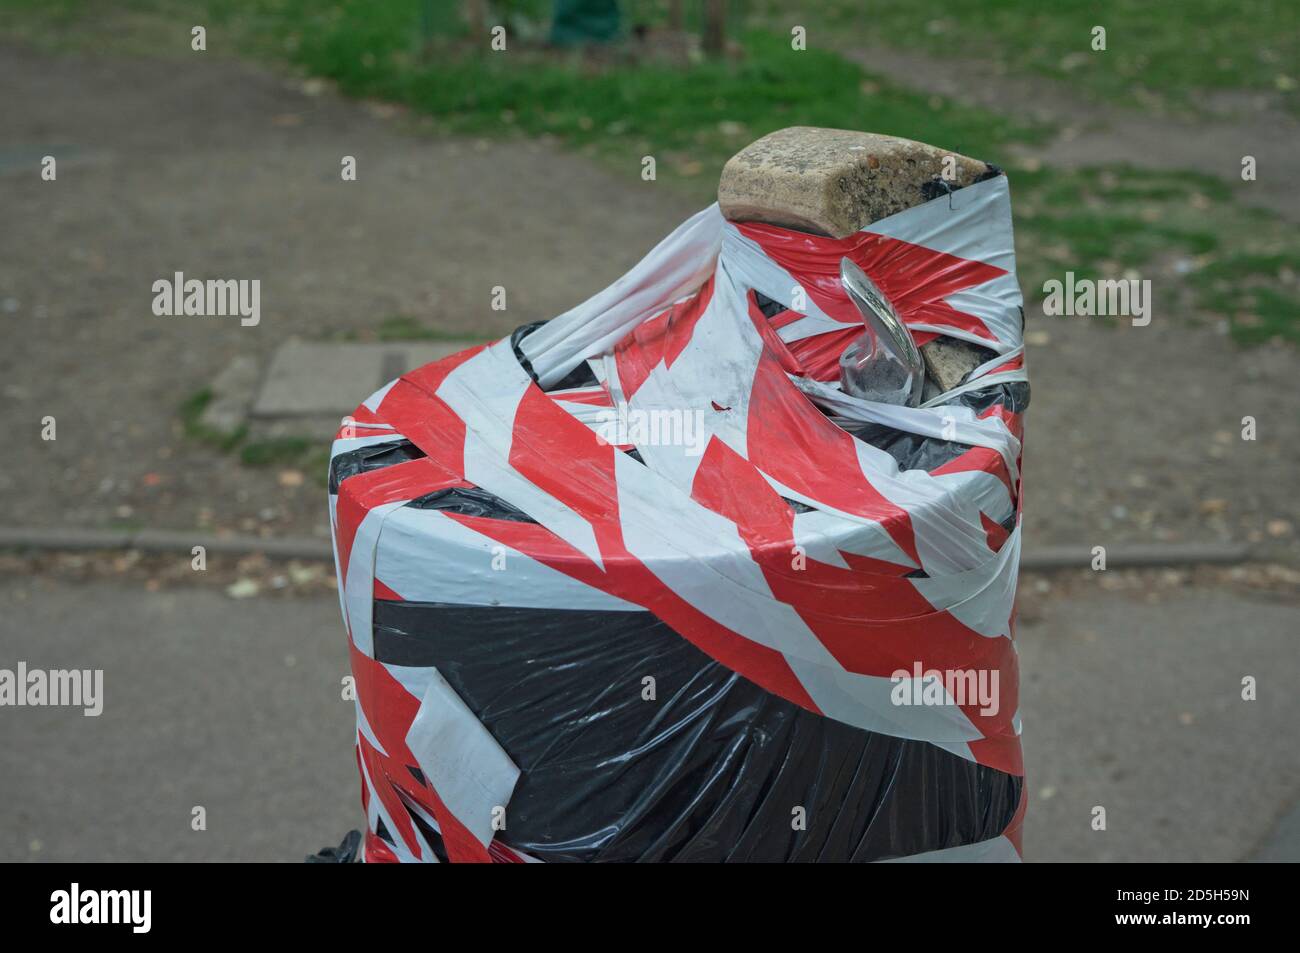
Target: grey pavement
1134 705
235 706
1128 704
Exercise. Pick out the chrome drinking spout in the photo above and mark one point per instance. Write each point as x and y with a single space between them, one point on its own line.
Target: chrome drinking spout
884 364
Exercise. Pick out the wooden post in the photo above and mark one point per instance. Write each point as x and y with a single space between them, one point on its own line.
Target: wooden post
715 27
476 17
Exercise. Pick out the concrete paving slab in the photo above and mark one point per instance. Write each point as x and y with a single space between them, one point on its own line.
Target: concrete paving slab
314 378
232 391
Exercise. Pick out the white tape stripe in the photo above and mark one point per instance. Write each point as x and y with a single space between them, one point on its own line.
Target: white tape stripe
359 583
471 773
427 556
372 402
972 223
673 269
485 392
996 850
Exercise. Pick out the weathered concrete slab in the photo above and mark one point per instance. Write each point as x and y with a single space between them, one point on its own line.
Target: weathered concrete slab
311 378
948 361
836 181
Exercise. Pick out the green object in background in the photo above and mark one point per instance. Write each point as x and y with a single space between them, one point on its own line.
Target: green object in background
584 21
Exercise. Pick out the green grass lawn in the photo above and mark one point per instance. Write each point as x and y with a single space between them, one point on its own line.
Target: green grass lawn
1166 49
1215 258
690 119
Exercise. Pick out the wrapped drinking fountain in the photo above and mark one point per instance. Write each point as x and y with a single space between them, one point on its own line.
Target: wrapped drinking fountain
769 615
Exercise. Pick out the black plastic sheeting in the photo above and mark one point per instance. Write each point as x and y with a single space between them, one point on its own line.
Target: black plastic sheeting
915 452
471 501
711 769
374 456
347 852
939 186
580 376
